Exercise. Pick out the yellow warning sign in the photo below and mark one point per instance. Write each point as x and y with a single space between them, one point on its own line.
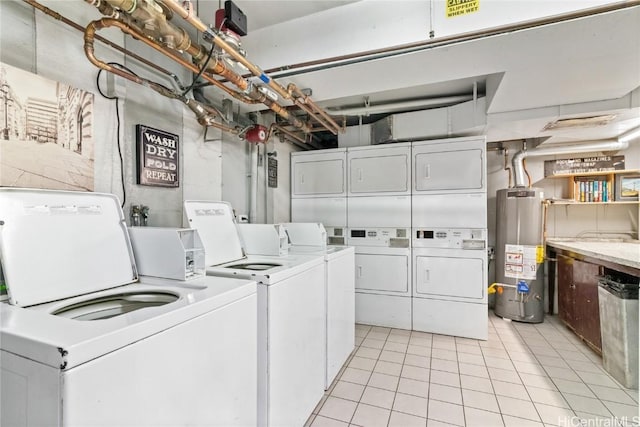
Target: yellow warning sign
461 7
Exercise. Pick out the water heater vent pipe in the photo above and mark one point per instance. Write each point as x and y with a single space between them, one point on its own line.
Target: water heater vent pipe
621 143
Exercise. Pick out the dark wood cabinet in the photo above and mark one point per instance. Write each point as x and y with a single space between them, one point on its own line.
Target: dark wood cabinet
578 298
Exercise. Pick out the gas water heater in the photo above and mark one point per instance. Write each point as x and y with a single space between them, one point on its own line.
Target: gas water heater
519 255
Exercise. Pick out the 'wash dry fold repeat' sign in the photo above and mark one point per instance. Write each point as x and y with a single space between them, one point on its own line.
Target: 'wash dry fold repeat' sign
158 157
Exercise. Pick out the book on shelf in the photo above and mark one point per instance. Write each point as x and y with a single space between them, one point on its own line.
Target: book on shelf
591 189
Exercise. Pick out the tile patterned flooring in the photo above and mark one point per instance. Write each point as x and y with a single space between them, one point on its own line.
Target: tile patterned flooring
524 375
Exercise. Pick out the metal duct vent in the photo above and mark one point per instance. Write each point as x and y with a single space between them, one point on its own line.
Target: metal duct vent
580 122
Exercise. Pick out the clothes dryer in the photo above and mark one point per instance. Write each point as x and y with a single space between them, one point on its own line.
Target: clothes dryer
291 314
339 291
84 341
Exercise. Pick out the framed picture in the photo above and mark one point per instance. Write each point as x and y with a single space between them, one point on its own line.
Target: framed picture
627 186
158 157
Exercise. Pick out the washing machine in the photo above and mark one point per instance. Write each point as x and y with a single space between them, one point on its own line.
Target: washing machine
291 326
84 341
264 239
339 291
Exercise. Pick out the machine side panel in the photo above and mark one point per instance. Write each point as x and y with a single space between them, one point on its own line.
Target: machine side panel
180 376
340 313
296 348
29 392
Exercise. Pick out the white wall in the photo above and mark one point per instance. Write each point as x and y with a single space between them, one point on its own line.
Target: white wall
37 43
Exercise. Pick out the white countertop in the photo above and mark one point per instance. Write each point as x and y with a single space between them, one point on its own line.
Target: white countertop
620 252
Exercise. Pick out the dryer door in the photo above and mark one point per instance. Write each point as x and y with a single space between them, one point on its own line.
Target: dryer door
450 277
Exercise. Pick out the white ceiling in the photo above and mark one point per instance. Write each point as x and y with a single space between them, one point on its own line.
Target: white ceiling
266 13
531 77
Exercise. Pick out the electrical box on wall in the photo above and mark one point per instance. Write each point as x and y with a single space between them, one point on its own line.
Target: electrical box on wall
236 20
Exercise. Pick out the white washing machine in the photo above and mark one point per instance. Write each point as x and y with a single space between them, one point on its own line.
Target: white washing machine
291 314
264 239
84 342
339 291
319 191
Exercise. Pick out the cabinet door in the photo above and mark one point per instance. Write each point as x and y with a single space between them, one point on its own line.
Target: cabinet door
587 311
565 289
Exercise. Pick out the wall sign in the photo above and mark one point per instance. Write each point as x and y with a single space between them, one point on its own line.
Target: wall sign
583 165
158 157
461 7
272 170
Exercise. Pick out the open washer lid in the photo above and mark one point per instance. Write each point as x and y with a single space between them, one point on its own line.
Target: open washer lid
59 244
217 229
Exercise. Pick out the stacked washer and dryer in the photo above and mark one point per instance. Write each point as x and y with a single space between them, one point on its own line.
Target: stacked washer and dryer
417 215
449 219
85 341
379 226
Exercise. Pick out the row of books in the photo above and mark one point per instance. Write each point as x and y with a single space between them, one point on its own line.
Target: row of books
591 190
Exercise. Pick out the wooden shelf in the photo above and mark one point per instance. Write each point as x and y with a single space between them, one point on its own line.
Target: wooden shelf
606 180
603 173
571 202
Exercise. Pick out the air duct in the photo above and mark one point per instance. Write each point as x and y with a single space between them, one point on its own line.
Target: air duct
400 106
621 143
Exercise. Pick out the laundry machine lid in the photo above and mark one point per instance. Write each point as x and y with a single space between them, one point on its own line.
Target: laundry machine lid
217 229
58 244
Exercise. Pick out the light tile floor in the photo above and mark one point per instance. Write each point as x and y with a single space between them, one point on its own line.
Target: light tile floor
523 375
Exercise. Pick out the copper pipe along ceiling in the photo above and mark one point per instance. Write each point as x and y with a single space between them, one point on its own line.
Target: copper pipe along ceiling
214 66
110 22
306 104
72 24
201 111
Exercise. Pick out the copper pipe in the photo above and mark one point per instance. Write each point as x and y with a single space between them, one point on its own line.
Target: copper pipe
254 69
110 22
294 90
72 24
202 111
282 112
151 16
290 134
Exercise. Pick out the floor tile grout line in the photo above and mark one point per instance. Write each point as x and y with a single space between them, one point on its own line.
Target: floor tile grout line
518 373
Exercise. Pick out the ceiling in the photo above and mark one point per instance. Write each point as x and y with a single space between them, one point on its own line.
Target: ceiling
581 67
266 13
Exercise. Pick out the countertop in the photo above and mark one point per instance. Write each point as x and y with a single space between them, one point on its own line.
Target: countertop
623 252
